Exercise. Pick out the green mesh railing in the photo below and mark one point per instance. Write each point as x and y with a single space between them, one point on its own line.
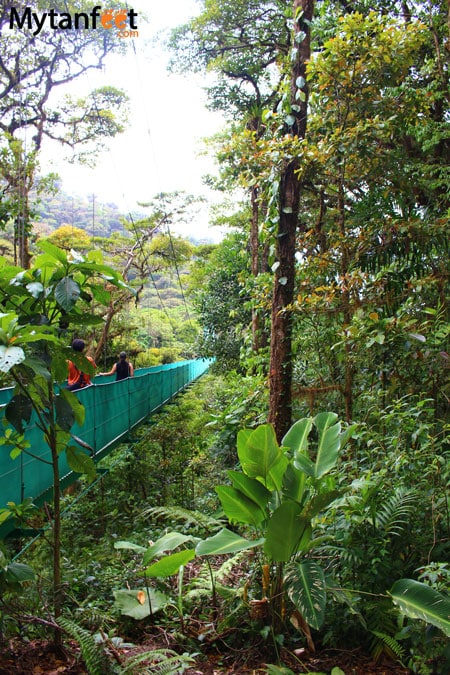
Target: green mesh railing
112 408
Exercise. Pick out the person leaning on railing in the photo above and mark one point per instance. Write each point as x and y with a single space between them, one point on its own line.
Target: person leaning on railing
123 368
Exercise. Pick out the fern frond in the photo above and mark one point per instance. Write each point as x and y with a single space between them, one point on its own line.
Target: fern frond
185 516
228 567
202 578
388 644
396 512
201 586
196 596
382 625
95 657
158 662
340 557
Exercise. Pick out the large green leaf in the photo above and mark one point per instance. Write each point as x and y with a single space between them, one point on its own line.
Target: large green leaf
324 420
19 410
303 463
261 456
296 438
19 572
135 603
65 416
294 483
287 532
329 443
77 407
129 546
100 294
170 564
238 508
168 542
81 361
305 585
67 292
31 334
346 435
52 251
80 462
419 601
224 542
38 366
252 488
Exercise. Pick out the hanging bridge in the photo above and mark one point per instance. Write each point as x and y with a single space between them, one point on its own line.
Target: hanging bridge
112 410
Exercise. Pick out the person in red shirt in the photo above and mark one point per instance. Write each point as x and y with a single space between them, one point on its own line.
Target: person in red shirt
77 379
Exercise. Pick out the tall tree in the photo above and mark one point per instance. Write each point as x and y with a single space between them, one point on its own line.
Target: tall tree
280 369
370 255
38 305
33 65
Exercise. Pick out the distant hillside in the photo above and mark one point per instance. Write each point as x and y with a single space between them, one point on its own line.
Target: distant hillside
162 291
97 218
86 212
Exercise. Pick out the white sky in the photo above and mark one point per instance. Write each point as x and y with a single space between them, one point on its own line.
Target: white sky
159 152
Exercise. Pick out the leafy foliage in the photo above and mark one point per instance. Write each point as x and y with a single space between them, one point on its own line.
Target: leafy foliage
94 655
419 601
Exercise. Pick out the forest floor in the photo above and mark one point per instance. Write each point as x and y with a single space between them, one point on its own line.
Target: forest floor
40 658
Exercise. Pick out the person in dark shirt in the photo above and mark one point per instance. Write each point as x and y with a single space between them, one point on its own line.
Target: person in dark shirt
123 368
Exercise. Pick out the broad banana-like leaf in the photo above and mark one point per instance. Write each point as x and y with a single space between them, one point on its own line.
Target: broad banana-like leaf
252 488
329 443
294 482
129 546
347 434
419 601
287 532
296 438
167 542
305 585
303 463
225 541
324 420
170 564
238 508
261 456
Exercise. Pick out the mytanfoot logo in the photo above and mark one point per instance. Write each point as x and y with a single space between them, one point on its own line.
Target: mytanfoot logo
122 20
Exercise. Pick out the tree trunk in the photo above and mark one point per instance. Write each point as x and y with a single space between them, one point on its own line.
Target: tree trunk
280 372
21 238
113 309
20 177
52 441
254 252
346 300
